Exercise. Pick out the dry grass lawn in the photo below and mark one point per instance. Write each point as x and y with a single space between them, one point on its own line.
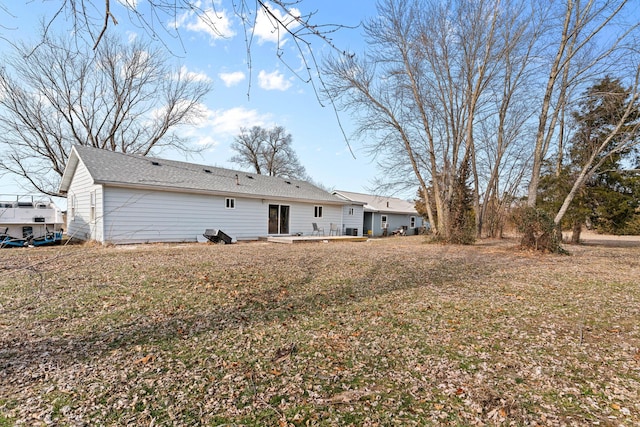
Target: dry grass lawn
385 332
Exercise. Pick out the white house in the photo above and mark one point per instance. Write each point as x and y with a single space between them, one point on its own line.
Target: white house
126 198
382 215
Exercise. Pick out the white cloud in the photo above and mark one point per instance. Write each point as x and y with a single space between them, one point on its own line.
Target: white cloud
273 81
269 29
131 36
130 4
232 79
229 122
193 76
216 23
215 127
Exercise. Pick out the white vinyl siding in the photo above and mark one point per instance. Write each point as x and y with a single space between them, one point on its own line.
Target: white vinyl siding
160 216
353 218
139 216
79 223
302 218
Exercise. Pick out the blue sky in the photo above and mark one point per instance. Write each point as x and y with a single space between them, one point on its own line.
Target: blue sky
277 97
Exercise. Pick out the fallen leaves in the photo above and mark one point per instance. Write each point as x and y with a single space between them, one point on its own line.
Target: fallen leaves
332 334
144 360
284 353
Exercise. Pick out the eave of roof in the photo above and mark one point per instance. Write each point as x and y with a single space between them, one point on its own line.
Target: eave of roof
373 203
69 171
174 189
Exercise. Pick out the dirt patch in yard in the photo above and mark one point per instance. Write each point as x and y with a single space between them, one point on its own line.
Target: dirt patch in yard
390 331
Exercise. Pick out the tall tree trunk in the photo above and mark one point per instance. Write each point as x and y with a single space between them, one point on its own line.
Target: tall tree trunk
427 202
541 134
578 17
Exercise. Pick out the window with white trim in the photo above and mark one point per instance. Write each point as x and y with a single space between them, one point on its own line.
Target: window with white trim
383 221
72 207
230 203
351 211
92 206
412 222
317 211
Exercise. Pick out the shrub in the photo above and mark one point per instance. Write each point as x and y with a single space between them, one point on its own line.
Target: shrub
538 230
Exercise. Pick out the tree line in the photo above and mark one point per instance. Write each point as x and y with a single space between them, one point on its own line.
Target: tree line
472 100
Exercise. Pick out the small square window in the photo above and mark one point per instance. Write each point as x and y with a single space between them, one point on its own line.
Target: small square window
317 212
230 203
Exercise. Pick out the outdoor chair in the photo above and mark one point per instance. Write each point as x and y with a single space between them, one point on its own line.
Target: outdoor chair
316 230
402 231
333 229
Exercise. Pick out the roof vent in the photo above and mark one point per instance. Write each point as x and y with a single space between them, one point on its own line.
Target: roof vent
207 170
154 163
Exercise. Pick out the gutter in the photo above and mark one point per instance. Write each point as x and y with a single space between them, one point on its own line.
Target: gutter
172 189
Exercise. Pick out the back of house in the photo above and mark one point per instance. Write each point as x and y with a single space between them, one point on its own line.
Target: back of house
126 198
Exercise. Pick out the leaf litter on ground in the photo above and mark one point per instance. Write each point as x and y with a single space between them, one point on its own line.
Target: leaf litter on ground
390 331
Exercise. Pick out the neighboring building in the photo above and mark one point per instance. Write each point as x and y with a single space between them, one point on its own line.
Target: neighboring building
383 213
126 198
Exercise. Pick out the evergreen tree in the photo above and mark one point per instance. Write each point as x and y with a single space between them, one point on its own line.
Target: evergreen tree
609 199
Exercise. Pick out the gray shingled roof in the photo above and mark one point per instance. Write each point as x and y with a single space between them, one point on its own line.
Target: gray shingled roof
131 170
373 203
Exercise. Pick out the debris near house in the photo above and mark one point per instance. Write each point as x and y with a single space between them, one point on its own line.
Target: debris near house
217 236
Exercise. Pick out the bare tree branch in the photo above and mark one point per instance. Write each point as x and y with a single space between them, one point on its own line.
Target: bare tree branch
268 151
126 98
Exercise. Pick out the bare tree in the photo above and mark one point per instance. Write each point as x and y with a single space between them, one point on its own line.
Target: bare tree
589 37
502 125
126 98
424 83
383 92
249 146
268 151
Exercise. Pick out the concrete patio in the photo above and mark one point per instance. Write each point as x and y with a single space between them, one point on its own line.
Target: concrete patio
308 239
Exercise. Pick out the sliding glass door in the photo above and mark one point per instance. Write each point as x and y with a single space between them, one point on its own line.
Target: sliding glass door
279 219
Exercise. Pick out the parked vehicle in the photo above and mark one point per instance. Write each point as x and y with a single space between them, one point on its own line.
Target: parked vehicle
29 221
